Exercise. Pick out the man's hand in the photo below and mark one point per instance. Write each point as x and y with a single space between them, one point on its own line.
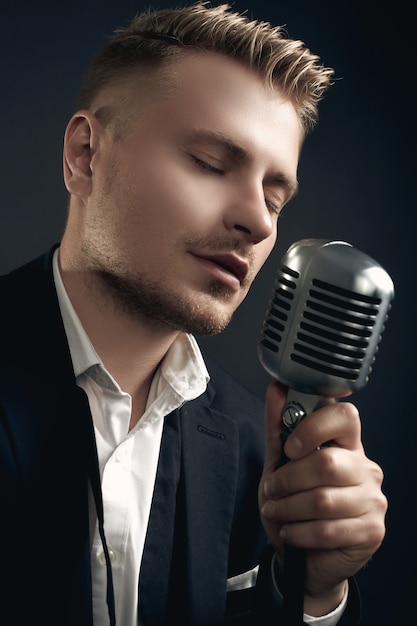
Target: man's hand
327 500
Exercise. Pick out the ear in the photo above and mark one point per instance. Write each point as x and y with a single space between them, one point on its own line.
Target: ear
81 142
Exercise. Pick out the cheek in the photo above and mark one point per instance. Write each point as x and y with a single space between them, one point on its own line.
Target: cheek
175 199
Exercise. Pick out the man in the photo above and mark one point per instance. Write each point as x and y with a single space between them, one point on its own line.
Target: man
131 466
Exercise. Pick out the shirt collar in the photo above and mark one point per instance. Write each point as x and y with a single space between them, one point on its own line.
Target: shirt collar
182 368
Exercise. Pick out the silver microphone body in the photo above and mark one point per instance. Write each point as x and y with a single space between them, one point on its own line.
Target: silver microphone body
320 336
324 322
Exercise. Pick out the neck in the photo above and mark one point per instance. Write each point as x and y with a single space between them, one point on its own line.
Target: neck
131 349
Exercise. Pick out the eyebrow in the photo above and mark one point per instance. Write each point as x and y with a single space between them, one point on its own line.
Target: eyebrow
237 153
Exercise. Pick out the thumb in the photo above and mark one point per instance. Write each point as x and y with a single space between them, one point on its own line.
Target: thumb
274 404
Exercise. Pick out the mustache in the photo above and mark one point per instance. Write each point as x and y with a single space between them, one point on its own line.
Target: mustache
220 244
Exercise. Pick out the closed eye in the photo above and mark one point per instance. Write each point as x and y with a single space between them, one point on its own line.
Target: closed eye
274 207
205 165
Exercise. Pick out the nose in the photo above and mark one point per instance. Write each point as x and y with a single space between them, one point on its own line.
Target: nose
249 215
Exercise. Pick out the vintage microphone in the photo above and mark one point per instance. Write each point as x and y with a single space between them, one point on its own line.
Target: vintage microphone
320 336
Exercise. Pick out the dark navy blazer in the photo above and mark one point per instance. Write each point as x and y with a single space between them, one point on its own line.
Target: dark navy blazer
204 525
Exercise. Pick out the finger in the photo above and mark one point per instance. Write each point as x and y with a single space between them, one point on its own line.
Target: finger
274 404
322 503
361 533
338 423
329 466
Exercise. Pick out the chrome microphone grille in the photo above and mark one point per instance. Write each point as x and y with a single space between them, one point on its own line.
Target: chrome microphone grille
319 332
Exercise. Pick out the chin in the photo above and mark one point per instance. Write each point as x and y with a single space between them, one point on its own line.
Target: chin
208 318
206 325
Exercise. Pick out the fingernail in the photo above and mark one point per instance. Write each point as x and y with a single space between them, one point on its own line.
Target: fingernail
268 510
283 533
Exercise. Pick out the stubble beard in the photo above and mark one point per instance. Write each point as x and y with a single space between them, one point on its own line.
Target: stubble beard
143 300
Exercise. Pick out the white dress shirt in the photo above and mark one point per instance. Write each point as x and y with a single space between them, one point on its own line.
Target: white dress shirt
128 460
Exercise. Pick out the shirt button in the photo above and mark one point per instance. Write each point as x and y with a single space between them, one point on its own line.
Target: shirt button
102 559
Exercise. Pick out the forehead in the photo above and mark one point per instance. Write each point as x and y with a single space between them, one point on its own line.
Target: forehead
206 91
210 90
207 71
212 81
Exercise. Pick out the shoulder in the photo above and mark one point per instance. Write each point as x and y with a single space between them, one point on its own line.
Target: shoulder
27 293
229 390
29 279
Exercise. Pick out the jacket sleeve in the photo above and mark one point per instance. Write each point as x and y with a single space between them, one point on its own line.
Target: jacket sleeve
263 604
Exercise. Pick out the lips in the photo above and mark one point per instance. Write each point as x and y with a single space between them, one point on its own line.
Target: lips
229 262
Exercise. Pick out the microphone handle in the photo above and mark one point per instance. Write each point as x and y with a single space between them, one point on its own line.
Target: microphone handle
298 405
293 585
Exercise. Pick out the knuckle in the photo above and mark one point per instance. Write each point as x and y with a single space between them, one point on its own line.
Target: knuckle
324 534
350 415
376 533
377 473
329 466
382 504
374 474
350 411
324 503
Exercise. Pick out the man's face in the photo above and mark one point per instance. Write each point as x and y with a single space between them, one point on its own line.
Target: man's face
184 207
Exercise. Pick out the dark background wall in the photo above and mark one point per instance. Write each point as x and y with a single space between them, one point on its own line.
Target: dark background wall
357 173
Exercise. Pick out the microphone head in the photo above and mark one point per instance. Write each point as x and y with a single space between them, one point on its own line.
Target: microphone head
325 318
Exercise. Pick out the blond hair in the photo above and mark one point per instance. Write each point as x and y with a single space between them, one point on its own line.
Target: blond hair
157 37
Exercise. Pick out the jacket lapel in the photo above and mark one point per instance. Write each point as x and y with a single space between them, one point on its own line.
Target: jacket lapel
191 590
157 555
210 462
